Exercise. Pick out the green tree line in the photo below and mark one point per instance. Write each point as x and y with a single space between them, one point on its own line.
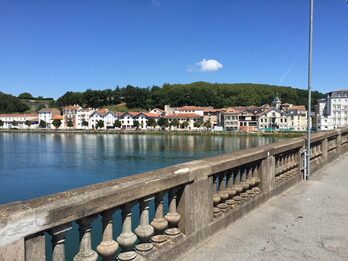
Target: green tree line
197 93
9 104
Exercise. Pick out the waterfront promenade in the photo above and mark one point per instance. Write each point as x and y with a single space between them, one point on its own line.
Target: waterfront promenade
306 222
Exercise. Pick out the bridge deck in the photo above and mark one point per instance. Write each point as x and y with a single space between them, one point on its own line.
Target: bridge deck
307 222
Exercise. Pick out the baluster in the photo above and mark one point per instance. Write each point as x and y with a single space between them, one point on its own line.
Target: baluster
231 189
107 247
173 217
216 196
256 178
237 178
222 188
243 179
256 174
276 170
222 193
238 186
293 160
58 242
245 185
86 252
127 238
229 184
286 162
144 231
159 222
250 179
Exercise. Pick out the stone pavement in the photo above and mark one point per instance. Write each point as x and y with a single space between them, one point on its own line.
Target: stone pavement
306 222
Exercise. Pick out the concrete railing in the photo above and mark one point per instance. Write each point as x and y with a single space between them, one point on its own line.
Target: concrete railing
162 213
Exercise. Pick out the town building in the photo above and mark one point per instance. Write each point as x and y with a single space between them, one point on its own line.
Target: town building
185 118
70 115
19 121
230 119
46 115
333 110
273 120
82 118
297 117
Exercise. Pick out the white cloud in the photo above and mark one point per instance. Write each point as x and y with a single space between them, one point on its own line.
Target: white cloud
205 65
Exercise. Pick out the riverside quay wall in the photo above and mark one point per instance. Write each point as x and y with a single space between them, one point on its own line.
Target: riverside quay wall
163 213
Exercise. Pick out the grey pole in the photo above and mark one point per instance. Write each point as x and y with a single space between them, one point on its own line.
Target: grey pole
309 89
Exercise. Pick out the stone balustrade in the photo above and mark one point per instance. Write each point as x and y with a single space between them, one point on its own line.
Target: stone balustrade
161 214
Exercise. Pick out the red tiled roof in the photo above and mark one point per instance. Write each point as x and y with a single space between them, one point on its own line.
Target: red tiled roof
183 115
57 117
297 107
133 113
151 115
19 115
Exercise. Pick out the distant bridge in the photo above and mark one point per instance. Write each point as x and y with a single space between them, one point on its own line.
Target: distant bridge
165 214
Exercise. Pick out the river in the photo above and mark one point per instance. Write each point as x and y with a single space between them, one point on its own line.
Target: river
36 164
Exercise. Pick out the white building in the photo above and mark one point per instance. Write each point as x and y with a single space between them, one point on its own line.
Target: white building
96 116
46 115
297 117
70 115
333 110
19 121
273 119
127 120
190 118
82 116
109 119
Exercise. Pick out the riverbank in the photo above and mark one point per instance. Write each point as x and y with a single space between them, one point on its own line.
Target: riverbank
158 132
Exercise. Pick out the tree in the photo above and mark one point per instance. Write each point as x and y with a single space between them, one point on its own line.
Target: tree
198 123
207 124
70 98
1 123
163 123
56 123
69 123
27 123
14 123
136 124
42 124
151 123
185 124
175 123
40 106
117 124
25 95
100 124
9 104
85 123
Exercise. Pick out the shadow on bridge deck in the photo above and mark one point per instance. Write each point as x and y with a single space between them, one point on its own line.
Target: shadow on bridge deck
306 222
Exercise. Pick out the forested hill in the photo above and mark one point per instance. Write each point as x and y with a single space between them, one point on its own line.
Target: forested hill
10 104
197 93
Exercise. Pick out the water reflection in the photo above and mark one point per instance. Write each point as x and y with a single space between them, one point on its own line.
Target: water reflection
33 165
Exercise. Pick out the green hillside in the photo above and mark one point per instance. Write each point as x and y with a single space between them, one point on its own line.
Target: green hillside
198 93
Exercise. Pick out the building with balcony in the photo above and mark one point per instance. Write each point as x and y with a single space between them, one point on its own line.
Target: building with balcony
332 111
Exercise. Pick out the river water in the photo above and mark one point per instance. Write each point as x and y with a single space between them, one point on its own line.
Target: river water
36 164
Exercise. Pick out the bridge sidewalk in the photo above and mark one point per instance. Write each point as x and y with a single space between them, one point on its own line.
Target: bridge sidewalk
307 222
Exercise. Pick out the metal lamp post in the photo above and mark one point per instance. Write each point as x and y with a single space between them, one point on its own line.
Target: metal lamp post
308 149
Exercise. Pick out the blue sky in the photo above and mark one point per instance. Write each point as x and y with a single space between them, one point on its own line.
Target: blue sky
50 47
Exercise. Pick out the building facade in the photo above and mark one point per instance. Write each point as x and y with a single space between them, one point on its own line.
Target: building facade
333 110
